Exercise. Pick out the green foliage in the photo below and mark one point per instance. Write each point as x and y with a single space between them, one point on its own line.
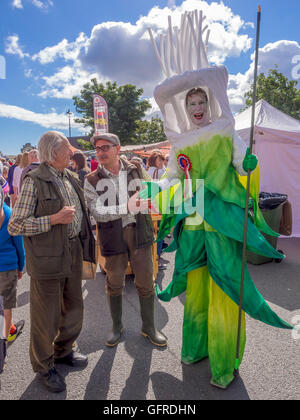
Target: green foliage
125 108
85 145
150 131
280 92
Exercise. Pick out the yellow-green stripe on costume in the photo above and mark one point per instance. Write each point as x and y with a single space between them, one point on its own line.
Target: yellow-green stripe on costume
210 326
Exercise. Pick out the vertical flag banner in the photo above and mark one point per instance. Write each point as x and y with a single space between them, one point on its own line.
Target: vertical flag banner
100 115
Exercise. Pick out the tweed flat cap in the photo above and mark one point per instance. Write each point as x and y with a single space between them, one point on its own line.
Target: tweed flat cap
113 138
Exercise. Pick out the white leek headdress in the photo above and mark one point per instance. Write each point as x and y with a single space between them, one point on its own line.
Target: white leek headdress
182 54
183 49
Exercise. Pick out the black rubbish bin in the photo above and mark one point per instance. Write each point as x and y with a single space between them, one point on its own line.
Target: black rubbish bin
270 205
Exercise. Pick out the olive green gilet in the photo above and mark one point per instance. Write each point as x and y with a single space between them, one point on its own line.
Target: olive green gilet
48 254
110 233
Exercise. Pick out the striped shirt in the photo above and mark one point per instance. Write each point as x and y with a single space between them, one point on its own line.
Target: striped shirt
102 213
23 221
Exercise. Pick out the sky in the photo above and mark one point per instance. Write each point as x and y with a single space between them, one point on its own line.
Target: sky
50 48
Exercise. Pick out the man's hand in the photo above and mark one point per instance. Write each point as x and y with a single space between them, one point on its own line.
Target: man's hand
64 217
151 190
249 162
20 275
136 205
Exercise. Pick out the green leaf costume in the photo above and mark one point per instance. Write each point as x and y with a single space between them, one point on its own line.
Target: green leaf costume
208 220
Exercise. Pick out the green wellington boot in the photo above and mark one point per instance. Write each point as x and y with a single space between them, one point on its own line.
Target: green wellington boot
148 328
115 306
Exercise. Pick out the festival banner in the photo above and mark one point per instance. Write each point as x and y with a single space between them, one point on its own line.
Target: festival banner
100 115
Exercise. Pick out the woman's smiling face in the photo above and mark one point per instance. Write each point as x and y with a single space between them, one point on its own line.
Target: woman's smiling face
197 108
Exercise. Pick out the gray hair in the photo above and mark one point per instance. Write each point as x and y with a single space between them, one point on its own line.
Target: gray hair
34 152
48 145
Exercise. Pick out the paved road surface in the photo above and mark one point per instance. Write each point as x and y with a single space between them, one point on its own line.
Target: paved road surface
136 370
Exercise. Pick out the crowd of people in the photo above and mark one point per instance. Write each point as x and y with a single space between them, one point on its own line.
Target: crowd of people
49 196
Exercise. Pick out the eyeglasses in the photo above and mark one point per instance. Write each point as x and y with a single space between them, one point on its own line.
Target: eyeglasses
105 147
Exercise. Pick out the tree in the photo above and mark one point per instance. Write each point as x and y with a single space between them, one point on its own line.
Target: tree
150 131
85 145
280 92
125 108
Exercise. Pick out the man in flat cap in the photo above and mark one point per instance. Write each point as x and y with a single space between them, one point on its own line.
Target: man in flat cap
125 233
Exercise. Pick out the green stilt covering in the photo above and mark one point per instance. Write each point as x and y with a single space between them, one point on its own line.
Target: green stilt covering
210 318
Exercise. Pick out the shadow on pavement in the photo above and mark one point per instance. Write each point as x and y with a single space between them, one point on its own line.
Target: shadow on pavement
98 385
279 283
97 319
139 348
36 391
195 385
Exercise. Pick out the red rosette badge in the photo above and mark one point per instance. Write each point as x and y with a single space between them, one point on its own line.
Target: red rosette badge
186 165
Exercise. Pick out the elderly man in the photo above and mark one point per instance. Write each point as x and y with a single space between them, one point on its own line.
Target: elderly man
33 163
51 215
125 232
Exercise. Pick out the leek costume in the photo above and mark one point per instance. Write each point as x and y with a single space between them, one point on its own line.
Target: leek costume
208 234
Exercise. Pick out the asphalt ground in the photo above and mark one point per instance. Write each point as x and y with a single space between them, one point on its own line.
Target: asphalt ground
137 370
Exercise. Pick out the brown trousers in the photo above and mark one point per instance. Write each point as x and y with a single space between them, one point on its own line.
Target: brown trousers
56 314
141 263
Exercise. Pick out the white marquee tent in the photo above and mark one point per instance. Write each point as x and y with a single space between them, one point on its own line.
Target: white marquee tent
277 146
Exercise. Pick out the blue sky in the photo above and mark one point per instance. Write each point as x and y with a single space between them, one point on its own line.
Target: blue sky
52 47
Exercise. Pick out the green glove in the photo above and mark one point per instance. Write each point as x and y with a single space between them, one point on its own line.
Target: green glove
249 162
151 190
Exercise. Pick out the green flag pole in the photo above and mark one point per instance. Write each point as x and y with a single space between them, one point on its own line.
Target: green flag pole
237 356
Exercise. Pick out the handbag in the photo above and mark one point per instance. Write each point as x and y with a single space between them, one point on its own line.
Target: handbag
88 270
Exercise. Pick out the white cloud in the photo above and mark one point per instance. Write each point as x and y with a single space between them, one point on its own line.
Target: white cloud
280 53
13 47
66 83
44 5
64 49
38 3
50 121
122 52
171 4
28 73
17 4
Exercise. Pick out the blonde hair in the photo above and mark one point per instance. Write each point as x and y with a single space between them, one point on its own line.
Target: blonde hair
5 172
48 145
24 160
34 153
18 159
